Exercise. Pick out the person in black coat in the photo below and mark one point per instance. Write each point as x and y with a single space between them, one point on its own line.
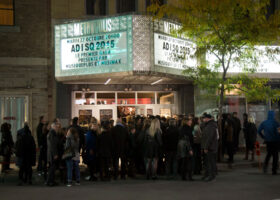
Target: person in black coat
52 153
7 145
185 149
81 132
170 141
26 153
104 150
39 131
236 131
120 145
250 133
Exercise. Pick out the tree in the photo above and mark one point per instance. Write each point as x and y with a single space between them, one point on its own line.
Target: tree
231 31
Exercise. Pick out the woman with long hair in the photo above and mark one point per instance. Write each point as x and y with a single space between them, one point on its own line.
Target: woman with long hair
250 137
152 144
72 143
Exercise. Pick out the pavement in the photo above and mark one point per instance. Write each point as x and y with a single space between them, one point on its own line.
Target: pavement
243 181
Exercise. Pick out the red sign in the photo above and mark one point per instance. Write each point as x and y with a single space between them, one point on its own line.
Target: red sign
9 118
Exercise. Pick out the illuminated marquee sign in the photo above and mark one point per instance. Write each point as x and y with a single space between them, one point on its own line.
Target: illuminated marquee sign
93 47
173 52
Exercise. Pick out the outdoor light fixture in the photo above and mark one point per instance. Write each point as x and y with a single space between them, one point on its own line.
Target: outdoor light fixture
156 82
108 81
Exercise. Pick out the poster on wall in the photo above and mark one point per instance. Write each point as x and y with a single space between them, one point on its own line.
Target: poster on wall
173 52
106 114
85 116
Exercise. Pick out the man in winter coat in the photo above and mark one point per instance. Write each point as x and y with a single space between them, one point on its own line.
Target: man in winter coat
209 146
53 148
268 130
40 142
26 154
120 145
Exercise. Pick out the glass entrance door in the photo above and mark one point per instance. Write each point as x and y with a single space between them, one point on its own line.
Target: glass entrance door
14 110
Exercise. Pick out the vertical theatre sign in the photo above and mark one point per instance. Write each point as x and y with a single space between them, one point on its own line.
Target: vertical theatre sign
92 47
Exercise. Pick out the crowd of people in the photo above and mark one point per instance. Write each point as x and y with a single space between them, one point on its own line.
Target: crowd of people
152 145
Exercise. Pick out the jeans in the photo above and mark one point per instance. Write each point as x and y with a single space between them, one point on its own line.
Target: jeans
70 164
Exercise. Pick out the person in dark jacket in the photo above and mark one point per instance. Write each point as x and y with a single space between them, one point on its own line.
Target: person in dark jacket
104 150
81 132
120 145
197 146
170 141
46 129
7 145
250 134
91 148
26 152
53 153
131 157
269 131
229 138
39 132
209 145
236 131
184 149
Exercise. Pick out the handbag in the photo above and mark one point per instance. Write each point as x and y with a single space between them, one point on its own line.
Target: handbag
68 153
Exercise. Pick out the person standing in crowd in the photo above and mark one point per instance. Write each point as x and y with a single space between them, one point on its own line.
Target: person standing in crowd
26 154
209 145
245 132
52 142
236 131
7 145
250 133
131 158
170 141
269 131
120 144
152 144
39 132
75 124
184 149
72 143
197 146
229 138
91 138
46 129
104 150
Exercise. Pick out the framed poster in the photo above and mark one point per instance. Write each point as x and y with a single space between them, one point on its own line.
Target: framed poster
106 114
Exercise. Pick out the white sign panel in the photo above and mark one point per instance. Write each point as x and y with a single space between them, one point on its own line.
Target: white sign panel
93 51
170 52
265 65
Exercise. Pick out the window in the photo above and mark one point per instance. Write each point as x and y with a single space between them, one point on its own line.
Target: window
165 98
126 6
102 7
7 12
105 98
126 98
145 98
90 7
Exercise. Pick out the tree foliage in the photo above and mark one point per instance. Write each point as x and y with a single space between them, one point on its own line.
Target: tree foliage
230 31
